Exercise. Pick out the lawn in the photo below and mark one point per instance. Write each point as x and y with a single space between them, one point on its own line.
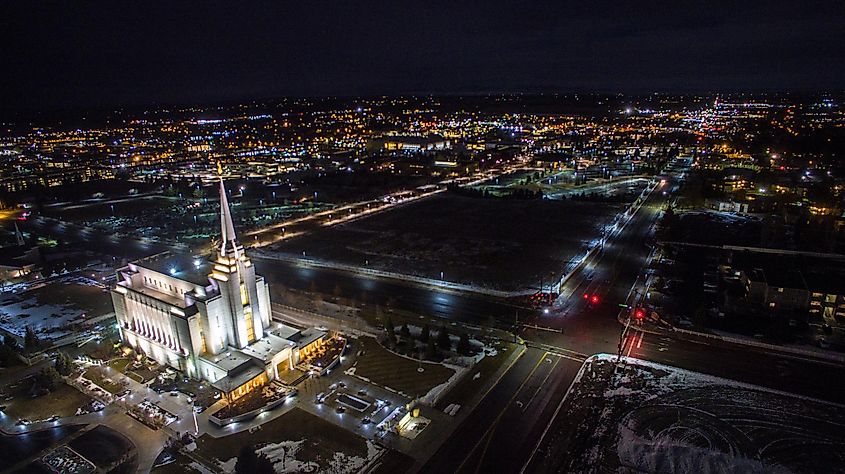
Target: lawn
401 374
309 442
104 378
62 402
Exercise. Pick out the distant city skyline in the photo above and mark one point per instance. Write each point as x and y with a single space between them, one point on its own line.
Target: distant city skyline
105 55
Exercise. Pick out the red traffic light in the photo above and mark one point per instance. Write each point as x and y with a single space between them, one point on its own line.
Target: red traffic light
639 314
586 296
595 299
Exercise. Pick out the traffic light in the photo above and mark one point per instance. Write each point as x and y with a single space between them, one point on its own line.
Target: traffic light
595 299
639 313
586 296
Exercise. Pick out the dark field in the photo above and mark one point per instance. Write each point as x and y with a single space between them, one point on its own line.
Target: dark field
505 244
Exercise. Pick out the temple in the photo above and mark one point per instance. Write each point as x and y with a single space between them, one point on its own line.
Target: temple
209 318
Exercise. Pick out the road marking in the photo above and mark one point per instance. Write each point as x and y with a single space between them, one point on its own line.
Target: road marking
640 342
495 423
578 376
631 346
527 404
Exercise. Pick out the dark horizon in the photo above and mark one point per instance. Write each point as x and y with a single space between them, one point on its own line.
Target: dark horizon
109 56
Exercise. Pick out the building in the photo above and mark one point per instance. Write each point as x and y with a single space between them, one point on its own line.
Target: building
794 283
208 318
18 260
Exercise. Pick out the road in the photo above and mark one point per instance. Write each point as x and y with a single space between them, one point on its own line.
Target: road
505 428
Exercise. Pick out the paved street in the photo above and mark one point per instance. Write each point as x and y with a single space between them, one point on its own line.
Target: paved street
506 427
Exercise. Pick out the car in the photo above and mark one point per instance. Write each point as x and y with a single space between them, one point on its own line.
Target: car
366 420
340 410
124 393
53 418
362 393
320 397
174 393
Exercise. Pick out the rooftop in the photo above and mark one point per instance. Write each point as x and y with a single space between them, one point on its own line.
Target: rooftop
194 270
229 360
265 348
233 381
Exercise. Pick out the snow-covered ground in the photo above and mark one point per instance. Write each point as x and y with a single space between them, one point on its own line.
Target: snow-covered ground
283 456
49 321
646 417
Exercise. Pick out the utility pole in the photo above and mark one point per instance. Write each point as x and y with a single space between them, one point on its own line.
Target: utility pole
620 347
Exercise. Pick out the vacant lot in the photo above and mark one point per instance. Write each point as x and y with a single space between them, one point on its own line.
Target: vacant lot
646 417
507 244
387 369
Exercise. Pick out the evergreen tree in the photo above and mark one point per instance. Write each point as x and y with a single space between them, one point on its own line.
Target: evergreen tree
464 347
404 331
391 332
11 343
5 355
30 339
443 341
425 334
48 378
431 349
63 365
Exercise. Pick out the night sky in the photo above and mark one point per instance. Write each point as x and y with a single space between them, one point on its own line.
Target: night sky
90 54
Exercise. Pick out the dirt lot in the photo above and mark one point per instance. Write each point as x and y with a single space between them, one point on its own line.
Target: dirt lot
507 244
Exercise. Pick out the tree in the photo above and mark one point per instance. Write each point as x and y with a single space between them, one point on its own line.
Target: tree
464 347
250 462
30 339
63 365
6 354
48 378
443 341
11 343
431 349
199 192
404 331
425 334
391 332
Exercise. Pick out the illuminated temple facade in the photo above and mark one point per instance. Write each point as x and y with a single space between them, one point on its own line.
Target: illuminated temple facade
209 318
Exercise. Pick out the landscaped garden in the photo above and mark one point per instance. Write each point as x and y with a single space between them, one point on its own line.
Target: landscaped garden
105 377
253 400
402 374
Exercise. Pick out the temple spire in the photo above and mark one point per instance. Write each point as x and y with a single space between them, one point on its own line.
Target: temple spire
227 228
